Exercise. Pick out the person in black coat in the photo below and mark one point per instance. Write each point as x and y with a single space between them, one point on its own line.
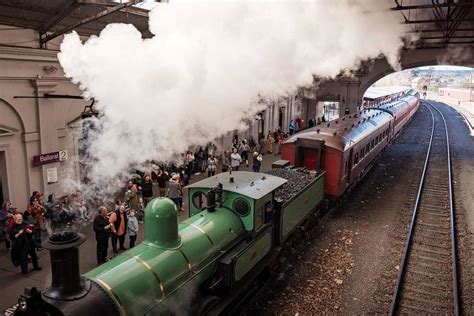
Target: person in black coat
21 235
102 233
147 189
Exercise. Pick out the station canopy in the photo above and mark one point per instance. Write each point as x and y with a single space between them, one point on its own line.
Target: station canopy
53 18
374 93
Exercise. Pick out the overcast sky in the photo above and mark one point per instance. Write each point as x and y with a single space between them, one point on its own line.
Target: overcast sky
444 67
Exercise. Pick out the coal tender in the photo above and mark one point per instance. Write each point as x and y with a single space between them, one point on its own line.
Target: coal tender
204 265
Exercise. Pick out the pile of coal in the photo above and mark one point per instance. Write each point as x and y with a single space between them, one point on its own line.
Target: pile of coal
298 179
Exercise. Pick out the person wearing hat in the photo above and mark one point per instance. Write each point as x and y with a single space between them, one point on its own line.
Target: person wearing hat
175 191
257 162
22 244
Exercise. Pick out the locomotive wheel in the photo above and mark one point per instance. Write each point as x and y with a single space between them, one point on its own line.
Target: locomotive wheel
206 304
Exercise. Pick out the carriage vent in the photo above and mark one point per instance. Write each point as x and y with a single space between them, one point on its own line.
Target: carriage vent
336 121
317 131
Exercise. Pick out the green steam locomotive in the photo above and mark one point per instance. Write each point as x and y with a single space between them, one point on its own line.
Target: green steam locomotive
238 224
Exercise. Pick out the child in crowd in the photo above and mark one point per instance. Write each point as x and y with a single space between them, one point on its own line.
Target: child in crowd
132 228
140 210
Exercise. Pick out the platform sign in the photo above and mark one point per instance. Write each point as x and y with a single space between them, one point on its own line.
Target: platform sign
50 158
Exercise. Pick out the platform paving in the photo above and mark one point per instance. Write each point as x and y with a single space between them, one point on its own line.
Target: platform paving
13 282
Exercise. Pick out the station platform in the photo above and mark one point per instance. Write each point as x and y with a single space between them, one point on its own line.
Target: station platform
465 108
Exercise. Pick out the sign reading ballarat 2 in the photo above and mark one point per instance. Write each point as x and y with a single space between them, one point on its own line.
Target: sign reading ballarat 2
50 158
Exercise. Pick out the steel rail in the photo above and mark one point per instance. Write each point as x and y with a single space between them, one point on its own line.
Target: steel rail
407 247
401 273
457 303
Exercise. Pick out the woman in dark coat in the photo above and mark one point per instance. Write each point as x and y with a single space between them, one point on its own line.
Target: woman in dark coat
22 245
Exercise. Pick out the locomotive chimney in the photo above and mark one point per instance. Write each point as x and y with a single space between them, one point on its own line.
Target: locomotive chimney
66 280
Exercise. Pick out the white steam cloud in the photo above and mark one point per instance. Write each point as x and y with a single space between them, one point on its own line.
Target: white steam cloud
202 72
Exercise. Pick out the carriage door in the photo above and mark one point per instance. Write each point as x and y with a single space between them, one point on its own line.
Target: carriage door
310 158
349 167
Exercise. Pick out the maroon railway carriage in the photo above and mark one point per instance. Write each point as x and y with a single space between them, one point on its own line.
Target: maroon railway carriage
344 148
402 110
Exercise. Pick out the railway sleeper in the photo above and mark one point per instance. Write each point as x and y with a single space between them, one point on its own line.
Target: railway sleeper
435 189
430 230
426 243
418 247
436 212
425 235
442 238
417 292
422 218
428 290
432 225
437 266
437 260
421 309
435 206
439 278
432 303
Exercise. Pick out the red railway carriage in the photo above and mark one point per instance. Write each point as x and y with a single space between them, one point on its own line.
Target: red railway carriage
344 148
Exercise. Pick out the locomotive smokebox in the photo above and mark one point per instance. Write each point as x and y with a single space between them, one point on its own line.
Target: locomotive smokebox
66 281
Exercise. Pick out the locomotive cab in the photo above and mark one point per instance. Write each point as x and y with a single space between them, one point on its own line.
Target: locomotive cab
248 194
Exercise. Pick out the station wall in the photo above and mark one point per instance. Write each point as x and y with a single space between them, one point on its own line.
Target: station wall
32 126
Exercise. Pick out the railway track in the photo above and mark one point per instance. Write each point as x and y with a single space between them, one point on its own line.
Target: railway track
428 280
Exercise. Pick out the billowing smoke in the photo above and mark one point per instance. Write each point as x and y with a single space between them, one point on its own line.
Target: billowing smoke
208 62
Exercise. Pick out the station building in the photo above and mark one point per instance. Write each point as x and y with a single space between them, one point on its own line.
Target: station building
39 132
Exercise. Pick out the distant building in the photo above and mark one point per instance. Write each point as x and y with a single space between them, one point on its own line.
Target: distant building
465 95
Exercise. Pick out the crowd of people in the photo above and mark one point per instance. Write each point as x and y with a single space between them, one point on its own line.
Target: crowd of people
23 231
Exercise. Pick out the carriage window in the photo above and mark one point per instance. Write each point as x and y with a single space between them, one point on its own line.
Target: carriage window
372 143
356 158
241 207
367 148
346 166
